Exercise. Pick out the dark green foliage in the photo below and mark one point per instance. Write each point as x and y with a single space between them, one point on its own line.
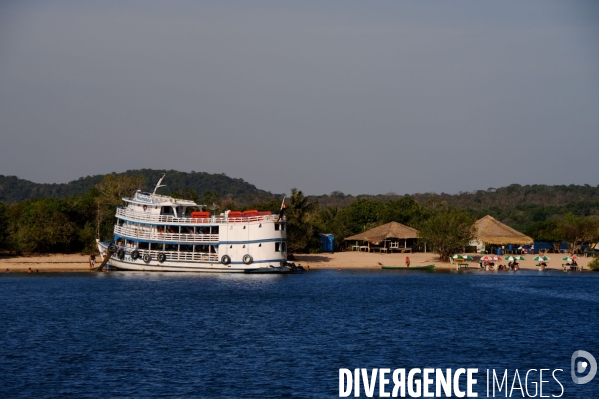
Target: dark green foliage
301 232
547 231
43 225
68 217
13 189
517 206
4 221
364 214
576 231
447 231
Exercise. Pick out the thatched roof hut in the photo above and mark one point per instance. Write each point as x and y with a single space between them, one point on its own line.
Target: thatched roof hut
491 231
385 232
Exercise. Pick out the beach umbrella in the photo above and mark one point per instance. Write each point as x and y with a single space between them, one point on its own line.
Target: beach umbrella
487 258
541 258
513 258
462 257
570 259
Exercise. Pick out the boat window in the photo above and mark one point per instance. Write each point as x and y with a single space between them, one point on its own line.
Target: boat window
166 210
157 247
186 248
143 245
171 247
214 229
279 226
280 246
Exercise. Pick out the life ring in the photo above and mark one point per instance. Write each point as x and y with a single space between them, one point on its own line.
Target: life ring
225 260
135 254
247 259
161 257
120 253
112 248
147 258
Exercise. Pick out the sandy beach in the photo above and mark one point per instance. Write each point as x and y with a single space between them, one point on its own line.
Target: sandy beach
364 260
46 263
343 260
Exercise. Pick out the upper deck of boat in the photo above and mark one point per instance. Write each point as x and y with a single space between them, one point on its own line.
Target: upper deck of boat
157 200
144 217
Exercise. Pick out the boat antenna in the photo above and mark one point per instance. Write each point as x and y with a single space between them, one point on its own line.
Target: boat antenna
158 184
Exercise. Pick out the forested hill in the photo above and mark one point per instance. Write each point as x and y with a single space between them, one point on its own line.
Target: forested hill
516 205
13 189
512 195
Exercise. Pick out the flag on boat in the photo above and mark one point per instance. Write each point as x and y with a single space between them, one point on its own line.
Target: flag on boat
282 211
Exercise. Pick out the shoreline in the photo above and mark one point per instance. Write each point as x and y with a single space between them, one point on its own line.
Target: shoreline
57 263
365 260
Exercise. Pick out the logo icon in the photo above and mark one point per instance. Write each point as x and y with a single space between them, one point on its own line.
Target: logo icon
589 363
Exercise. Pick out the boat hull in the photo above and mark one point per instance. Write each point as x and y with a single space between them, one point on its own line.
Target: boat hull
127 263
425 267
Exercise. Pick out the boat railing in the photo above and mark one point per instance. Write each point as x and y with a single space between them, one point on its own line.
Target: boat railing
178 255
157 219
140 233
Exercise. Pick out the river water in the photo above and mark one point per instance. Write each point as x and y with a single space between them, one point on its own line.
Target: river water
150 335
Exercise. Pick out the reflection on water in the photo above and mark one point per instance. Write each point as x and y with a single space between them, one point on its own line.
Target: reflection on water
238 335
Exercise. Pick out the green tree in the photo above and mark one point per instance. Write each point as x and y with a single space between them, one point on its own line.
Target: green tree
405 210
549 231
108 195
299 215
447 231
4 222
328 221
577 231
43 226
360 216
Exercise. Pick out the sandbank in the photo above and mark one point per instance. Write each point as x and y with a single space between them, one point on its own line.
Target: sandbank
342 260
365 260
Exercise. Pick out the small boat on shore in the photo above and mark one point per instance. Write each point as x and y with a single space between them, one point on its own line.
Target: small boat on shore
423 267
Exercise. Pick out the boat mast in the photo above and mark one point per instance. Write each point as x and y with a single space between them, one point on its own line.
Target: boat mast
158 184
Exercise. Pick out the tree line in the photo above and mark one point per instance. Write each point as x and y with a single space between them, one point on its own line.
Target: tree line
52 225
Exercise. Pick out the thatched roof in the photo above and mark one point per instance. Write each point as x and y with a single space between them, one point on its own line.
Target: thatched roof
491 231
385 232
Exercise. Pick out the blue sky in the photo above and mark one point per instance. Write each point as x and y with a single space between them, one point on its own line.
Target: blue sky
360 97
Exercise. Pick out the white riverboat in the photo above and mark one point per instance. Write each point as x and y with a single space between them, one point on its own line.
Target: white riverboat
160 233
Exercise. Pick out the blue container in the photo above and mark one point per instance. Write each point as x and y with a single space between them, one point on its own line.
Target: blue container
327 243
499 252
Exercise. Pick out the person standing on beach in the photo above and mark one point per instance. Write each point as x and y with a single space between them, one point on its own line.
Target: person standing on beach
407 261
92 261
